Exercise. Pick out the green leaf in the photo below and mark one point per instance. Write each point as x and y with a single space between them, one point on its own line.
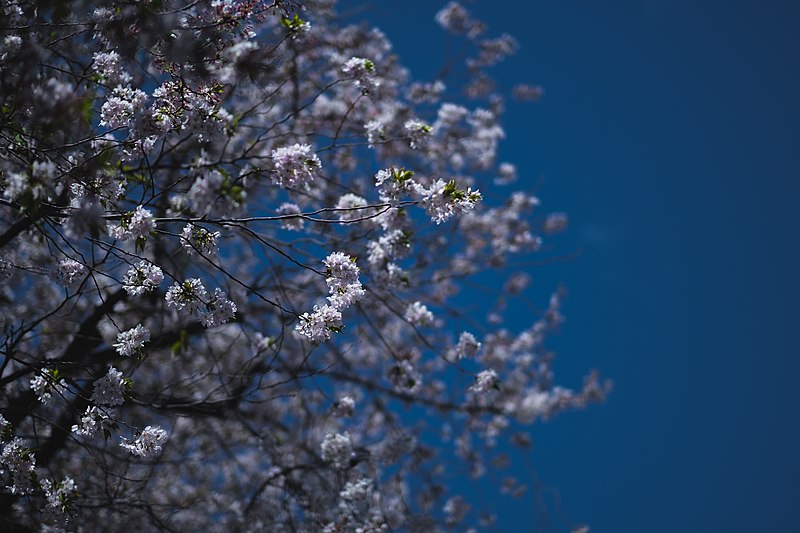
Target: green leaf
402 175
141 242
180 345
236 193
293 24
86 110
236 119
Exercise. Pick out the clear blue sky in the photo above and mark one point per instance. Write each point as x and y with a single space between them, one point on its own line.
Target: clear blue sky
669 132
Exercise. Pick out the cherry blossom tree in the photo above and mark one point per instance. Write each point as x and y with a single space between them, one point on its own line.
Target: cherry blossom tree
238 254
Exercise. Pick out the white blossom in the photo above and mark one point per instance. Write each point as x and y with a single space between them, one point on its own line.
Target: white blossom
507 174
110 389
131 342
18 458
375 132
213 193
108 65
346 296
342 280
291 223
394 244
528 93
319 324
11 43
417 131
394 183
45 384
142 277
190 295
443 200
219 310
348 205
356 491
59 499
533 405
16 184
92 422
134 225
485 381
454 18
86 215
363 71
53 94
295 166
69 272
345 289
450 114
235 57
147 444
418 314
467 346
426 92
121 106
337 449
198 239
344 406
517 283
492 51
44 171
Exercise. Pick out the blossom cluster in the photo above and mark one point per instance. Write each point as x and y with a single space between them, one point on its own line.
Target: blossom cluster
418 314
18 458
60 496
130 342
147 444
137 224
342 280
296 166
110 389
122 106
337 449
142 277
69 272
345 289
92 422
109 66
45 384
363 71
441 199
191 296
218 310
196 239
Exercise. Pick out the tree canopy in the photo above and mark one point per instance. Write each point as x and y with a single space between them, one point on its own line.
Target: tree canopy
254 275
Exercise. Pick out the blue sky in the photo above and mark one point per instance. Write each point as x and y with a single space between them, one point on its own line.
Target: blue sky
669 132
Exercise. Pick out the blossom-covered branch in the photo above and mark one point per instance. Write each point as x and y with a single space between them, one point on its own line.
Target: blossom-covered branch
239 253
